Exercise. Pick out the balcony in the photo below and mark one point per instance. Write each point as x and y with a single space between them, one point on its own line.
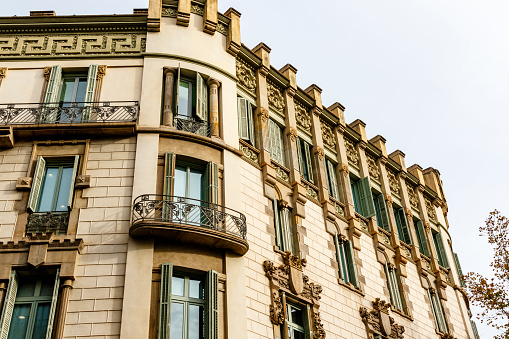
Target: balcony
48 119
191 125
189 221
44 222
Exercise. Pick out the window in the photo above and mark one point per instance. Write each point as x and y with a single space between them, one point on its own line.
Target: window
402 225
29 306
438 312
440 249
421 237
296 322
458 269
332 181
362 197
346 261
276 144
382 219
304 154
284 227
246 121
393 285
474 329
53 184
188 305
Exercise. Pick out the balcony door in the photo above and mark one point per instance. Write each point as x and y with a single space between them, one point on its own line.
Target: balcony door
189 186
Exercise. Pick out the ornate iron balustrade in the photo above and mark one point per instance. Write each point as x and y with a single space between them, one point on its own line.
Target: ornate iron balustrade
192 125
68 112
179 210
44 222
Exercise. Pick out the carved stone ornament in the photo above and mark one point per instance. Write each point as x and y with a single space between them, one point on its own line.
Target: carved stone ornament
302 117
327 135
388 199
169 12
412 196
276 309
249 153
393 182
311 192
275 97
281 174
446 336
47 72
222 28
344 168
295 270
320 152
377 320
3 72
430 208
264 114
374 171
246 75
293 134
351 153
319 332
101 71
197 9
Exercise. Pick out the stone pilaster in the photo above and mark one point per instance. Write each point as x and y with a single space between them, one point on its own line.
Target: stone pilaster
210 17
233 42
184 12
169 81
61 313
154 15
214 106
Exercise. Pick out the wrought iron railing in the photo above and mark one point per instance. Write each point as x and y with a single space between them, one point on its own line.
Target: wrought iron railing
44 222
192 125
68 112
179 210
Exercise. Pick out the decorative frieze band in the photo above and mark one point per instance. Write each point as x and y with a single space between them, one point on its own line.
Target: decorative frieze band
70 45
246 75
275 97
328 136
302 117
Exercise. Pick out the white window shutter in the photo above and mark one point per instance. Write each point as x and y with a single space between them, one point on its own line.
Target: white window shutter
8 308
212 311
201 98
165 301
35 192
90 91
333 180
250 121
287 230
52 96
53 307
73 180
243 118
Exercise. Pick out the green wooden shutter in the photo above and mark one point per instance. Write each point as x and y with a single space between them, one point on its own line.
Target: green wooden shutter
332 179
212 312
250 121
350 260
277 225
384 218
395 289
308 332
33 200
243 118
169 169
404 226
365 198
458 268
90 91
308 162
53 308
442 323
300 158
201 98
338 256
287 230
73 180
52 96
433 309
441 250
10 298
421 236
165 301
212 184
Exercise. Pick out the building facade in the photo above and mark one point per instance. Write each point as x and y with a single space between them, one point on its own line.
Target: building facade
159 179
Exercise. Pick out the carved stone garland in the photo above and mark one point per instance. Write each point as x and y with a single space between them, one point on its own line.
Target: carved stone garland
289 278
275 97
377 320
302 117
432 214
328 135
246 75
351 153
414 201
393 182
374 171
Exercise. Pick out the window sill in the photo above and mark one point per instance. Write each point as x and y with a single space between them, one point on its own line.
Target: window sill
351 288
401 313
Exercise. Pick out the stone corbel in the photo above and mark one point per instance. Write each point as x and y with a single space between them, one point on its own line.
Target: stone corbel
6 135
292 133
233 42
263 113
184 13
24 183
320 152
83 181
38 248
3 73
210 17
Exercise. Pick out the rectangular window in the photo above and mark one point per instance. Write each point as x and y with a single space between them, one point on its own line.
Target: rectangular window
474 329
362 197
332 181
297 322
458 269
438 312
440 249
245 120
421 237
29 306
393 285
402 225
346 261
276 143
284 227
188 305
305 162
382 219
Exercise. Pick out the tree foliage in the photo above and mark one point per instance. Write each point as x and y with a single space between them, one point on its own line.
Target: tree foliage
492 294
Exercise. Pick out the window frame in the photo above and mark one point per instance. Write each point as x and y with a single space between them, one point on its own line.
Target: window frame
306 327
345 257
198 98
277 142
332 179
247 127
402 224
283 224
305 160
393 284
437 311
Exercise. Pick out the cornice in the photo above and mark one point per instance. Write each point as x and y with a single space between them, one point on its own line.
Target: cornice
352 134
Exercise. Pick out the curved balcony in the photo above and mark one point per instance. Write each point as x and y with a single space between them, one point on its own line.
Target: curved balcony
189 221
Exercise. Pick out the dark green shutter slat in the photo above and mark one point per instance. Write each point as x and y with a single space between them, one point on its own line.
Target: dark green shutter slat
350 260
433 309
384 218
421 236
441 250
212 316
338 256
366 198
401 222
212 188
458 268
35 192
8 307
277 225
250 121
53 307
169 167
165 301
243 119
308 164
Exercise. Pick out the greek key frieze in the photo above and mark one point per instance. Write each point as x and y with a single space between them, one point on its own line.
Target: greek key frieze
82 44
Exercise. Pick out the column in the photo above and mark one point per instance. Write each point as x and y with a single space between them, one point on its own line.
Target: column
61 313
169 80
214 106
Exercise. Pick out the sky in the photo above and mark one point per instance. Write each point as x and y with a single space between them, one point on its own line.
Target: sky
431 76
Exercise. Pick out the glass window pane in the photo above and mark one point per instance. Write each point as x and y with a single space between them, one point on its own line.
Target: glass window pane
19 321
196 185
64 190
177 286
297 334
67 89
296 316
179 187
196 321
41 321
177 321
48 190
26 289
47 287
196 289
183 103
81 90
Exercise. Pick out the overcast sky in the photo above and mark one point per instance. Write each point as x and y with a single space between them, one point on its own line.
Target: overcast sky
431 76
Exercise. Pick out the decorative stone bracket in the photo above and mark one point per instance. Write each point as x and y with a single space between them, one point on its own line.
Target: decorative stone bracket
377 320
